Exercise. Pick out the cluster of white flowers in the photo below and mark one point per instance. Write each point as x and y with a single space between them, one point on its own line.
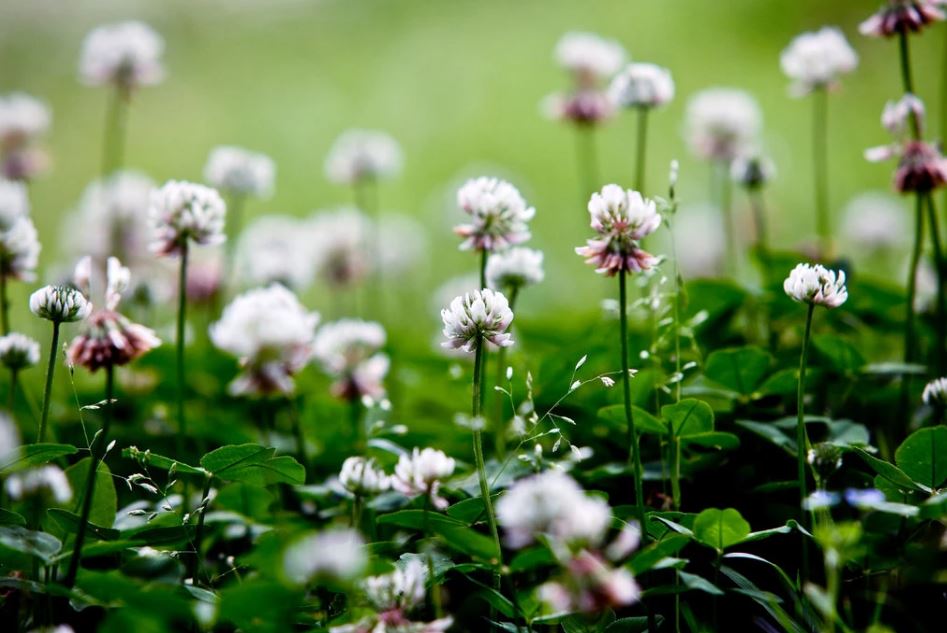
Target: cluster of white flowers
349 351
127 54
340 243
60 304
481 315
48 481
816 60
271 333
935 392
722 123
621 218
18 351
514 268
335 555
240 172
23 120
362 477
183 211
112 217
642 85
421 473
359 155
590 57
276 249
499 215
817 285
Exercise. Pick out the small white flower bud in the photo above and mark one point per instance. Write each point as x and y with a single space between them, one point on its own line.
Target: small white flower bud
60 304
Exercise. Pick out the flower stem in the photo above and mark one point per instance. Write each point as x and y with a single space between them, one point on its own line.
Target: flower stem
941 321
483 269
642 142
906 78
820 163
912 279
195 566
634 452
358 425
759 216
587 161
50 370
475 406
722 177
181 325
234 226
11 397
802 439
4 305
499 427
113 149
97 450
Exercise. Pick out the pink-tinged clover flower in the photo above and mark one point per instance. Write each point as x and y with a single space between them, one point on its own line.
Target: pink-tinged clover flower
183 212
621 218
816 285
421 473
498 215
921 166
127 54
722 123
23 121
902 16
349 350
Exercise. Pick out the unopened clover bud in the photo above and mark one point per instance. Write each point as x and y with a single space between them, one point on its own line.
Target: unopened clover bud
60 304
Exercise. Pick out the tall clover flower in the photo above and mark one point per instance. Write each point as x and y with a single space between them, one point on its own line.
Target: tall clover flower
23 122
622 219
19 244
108 340
182 213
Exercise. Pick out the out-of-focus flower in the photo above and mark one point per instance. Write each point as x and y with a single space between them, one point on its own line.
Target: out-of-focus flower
642 85
821 499
902 16
935 392
362 477
109 339
921 166
19 250
18 351
621 219
589 57
722 123
421 473
23 120
340 245
14 203
46 482
700 243
552 504
590 585
205 275
477 316
271 334
359 155
752 170
59 304
816 285
515 268
127 54
183 211
896 116
240 172
584 107
9 436
498 215
402 243
335 555
276 249
348 350
817 59
874 221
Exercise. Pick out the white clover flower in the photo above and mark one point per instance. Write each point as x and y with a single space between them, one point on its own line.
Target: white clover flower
335 555
402 589
752 170
23 118
622 218
112 217
60 304
276 248
361 476
722 123
421 473
127 54
590 585
477 316
19 250
240 172
402 243
340 244
642 86
874 221
359 155
817 59
9 437
589 57
46 481
552 504
935 392
498 212
14 203
514 268
815 284
348 350
271 333
18 351
183 211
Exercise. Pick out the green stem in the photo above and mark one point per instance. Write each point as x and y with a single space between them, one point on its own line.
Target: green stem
642 143
195 560
499 426
298 435
820 163
234 227
484 255
912 280
759 216
50 370
634 452
941 266
114 137
97 450
475 406
802 439
358 425
587 161
723 182
906 78
4 305
11 397
181 326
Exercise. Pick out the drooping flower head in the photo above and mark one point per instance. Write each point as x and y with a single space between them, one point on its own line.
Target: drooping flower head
47 483
935 392
498 215
817 285
642 85
921 166
477 316
18 351
621 218
590 58
752 171
271 334
339 242
60 304
240 172
349 350
817 60
184 212
902 16
23 121
335 555
127 54
359 155
514 268
276 249
421 473
362 477
722 123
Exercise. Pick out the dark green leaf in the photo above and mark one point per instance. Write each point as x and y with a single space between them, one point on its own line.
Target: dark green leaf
104 499
889 471
689 417
39 544
253 464
923 456
34 455
69 521
714 439
740 369
720 529
645 422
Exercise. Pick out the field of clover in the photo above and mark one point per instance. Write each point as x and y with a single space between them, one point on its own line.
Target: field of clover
211 423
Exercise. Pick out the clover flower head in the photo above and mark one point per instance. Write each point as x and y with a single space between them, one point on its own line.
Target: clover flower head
48 482
589 57
902 16
874 221
335 555
127 54
921 166
817 59
360 155
111 217
271 334
621 218
816 285
590 585
515 268
19 250
60 304
23 120
935 392
339 243
362 477
498 215
752 170
18 351
722 123
642 85
475 317
403 589
421 473
349 351
582 107
183 211
240 172
276 249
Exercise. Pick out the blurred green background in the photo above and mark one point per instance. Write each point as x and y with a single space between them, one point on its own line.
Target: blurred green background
459 85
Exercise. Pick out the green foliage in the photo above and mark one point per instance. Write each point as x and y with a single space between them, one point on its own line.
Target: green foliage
720 529
253 464
740 369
